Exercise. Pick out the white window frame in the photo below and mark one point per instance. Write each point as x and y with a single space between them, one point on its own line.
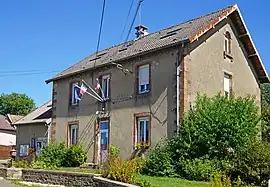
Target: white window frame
138 130
71 128
74 101
146 84
23 149
107 91
227 81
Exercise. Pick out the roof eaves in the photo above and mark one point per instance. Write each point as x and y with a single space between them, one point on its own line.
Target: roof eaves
267 79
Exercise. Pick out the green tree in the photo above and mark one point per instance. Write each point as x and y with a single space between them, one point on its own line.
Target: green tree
265 91
219 125
15 103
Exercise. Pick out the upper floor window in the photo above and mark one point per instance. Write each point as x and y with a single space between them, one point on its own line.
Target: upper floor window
73 96
143 79
73 134
227 85
105 86
228 43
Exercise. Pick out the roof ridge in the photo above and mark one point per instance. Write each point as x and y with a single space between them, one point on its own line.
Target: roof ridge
154 33
85 60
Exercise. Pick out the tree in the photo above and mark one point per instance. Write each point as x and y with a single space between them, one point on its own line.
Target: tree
265 91
15 103
217 126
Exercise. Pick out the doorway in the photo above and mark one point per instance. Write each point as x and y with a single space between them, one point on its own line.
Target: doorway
103 141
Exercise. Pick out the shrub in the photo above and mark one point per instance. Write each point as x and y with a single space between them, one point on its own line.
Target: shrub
74 156
266 124
218 180
20 164
114 151
121 170
53 155
252 164
159 161
199 169
37 164
217 125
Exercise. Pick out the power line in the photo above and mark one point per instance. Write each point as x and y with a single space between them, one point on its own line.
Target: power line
100 26
25 74
25 71
129 11
134 18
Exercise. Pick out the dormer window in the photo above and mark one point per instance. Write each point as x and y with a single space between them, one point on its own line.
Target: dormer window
228 45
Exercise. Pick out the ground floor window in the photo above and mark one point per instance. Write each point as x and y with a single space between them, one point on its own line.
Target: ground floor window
40 144
72 134
24 149
142 130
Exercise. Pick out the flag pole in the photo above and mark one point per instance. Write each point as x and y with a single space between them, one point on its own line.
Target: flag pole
101 90
90 94
100 99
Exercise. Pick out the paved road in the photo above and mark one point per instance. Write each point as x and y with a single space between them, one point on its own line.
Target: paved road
4 183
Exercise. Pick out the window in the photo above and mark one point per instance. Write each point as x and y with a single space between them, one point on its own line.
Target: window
227 85
74 101
24 149
142 131
73 134
228 44
105 85
143 79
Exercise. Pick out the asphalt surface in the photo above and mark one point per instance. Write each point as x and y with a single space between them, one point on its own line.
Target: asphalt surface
4 183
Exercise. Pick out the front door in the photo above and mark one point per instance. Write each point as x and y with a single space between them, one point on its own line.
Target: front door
103 140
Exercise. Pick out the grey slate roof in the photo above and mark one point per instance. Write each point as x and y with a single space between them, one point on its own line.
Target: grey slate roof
4 124
154 41
33 117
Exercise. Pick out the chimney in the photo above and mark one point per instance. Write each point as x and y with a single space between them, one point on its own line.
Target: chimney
141 30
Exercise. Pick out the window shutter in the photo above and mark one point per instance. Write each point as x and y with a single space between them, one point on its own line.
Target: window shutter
144 75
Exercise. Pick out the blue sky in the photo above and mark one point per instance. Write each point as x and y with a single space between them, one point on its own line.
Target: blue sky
51 35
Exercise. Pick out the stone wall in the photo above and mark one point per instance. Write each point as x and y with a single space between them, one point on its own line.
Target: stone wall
69 179
3 172
58 178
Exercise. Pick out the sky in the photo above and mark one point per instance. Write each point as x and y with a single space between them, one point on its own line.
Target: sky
40 38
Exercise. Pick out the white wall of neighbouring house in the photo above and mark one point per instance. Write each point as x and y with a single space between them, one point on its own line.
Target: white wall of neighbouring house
7 139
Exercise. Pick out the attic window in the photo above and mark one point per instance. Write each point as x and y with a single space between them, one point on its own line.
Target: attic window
175 30
98 57
168 35
123 49
101 54
227 45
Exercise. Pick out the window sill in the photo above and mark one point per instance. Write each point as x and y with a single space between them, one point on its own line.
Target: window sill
141 95
227 55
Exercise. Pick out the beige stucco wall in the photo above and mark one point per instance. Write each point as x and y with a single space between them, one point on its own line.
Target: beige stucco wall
206 66
27 131
159 103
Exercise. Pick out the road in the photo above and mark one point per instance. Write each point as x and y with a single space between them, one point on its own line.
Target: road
4 183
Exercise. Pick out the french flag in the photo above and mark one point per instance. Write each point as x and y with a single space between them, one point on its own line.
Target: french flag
80 91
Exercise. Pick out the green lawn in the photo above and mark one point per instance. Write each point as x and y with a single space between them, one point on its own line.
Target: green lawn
172 182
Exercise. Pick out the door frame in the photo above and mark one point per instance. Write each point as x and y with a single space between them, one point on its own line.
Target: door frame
98 152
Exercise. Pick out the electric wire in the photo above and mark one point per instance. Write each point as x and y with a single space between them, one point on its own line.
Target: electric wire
129 11
134 18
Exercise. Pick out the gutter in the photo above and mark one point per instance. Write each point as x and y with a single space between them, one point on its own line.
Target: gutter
178 73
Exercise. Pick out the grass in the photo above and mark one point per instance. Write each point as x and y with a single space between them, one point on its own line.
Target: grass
172 182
